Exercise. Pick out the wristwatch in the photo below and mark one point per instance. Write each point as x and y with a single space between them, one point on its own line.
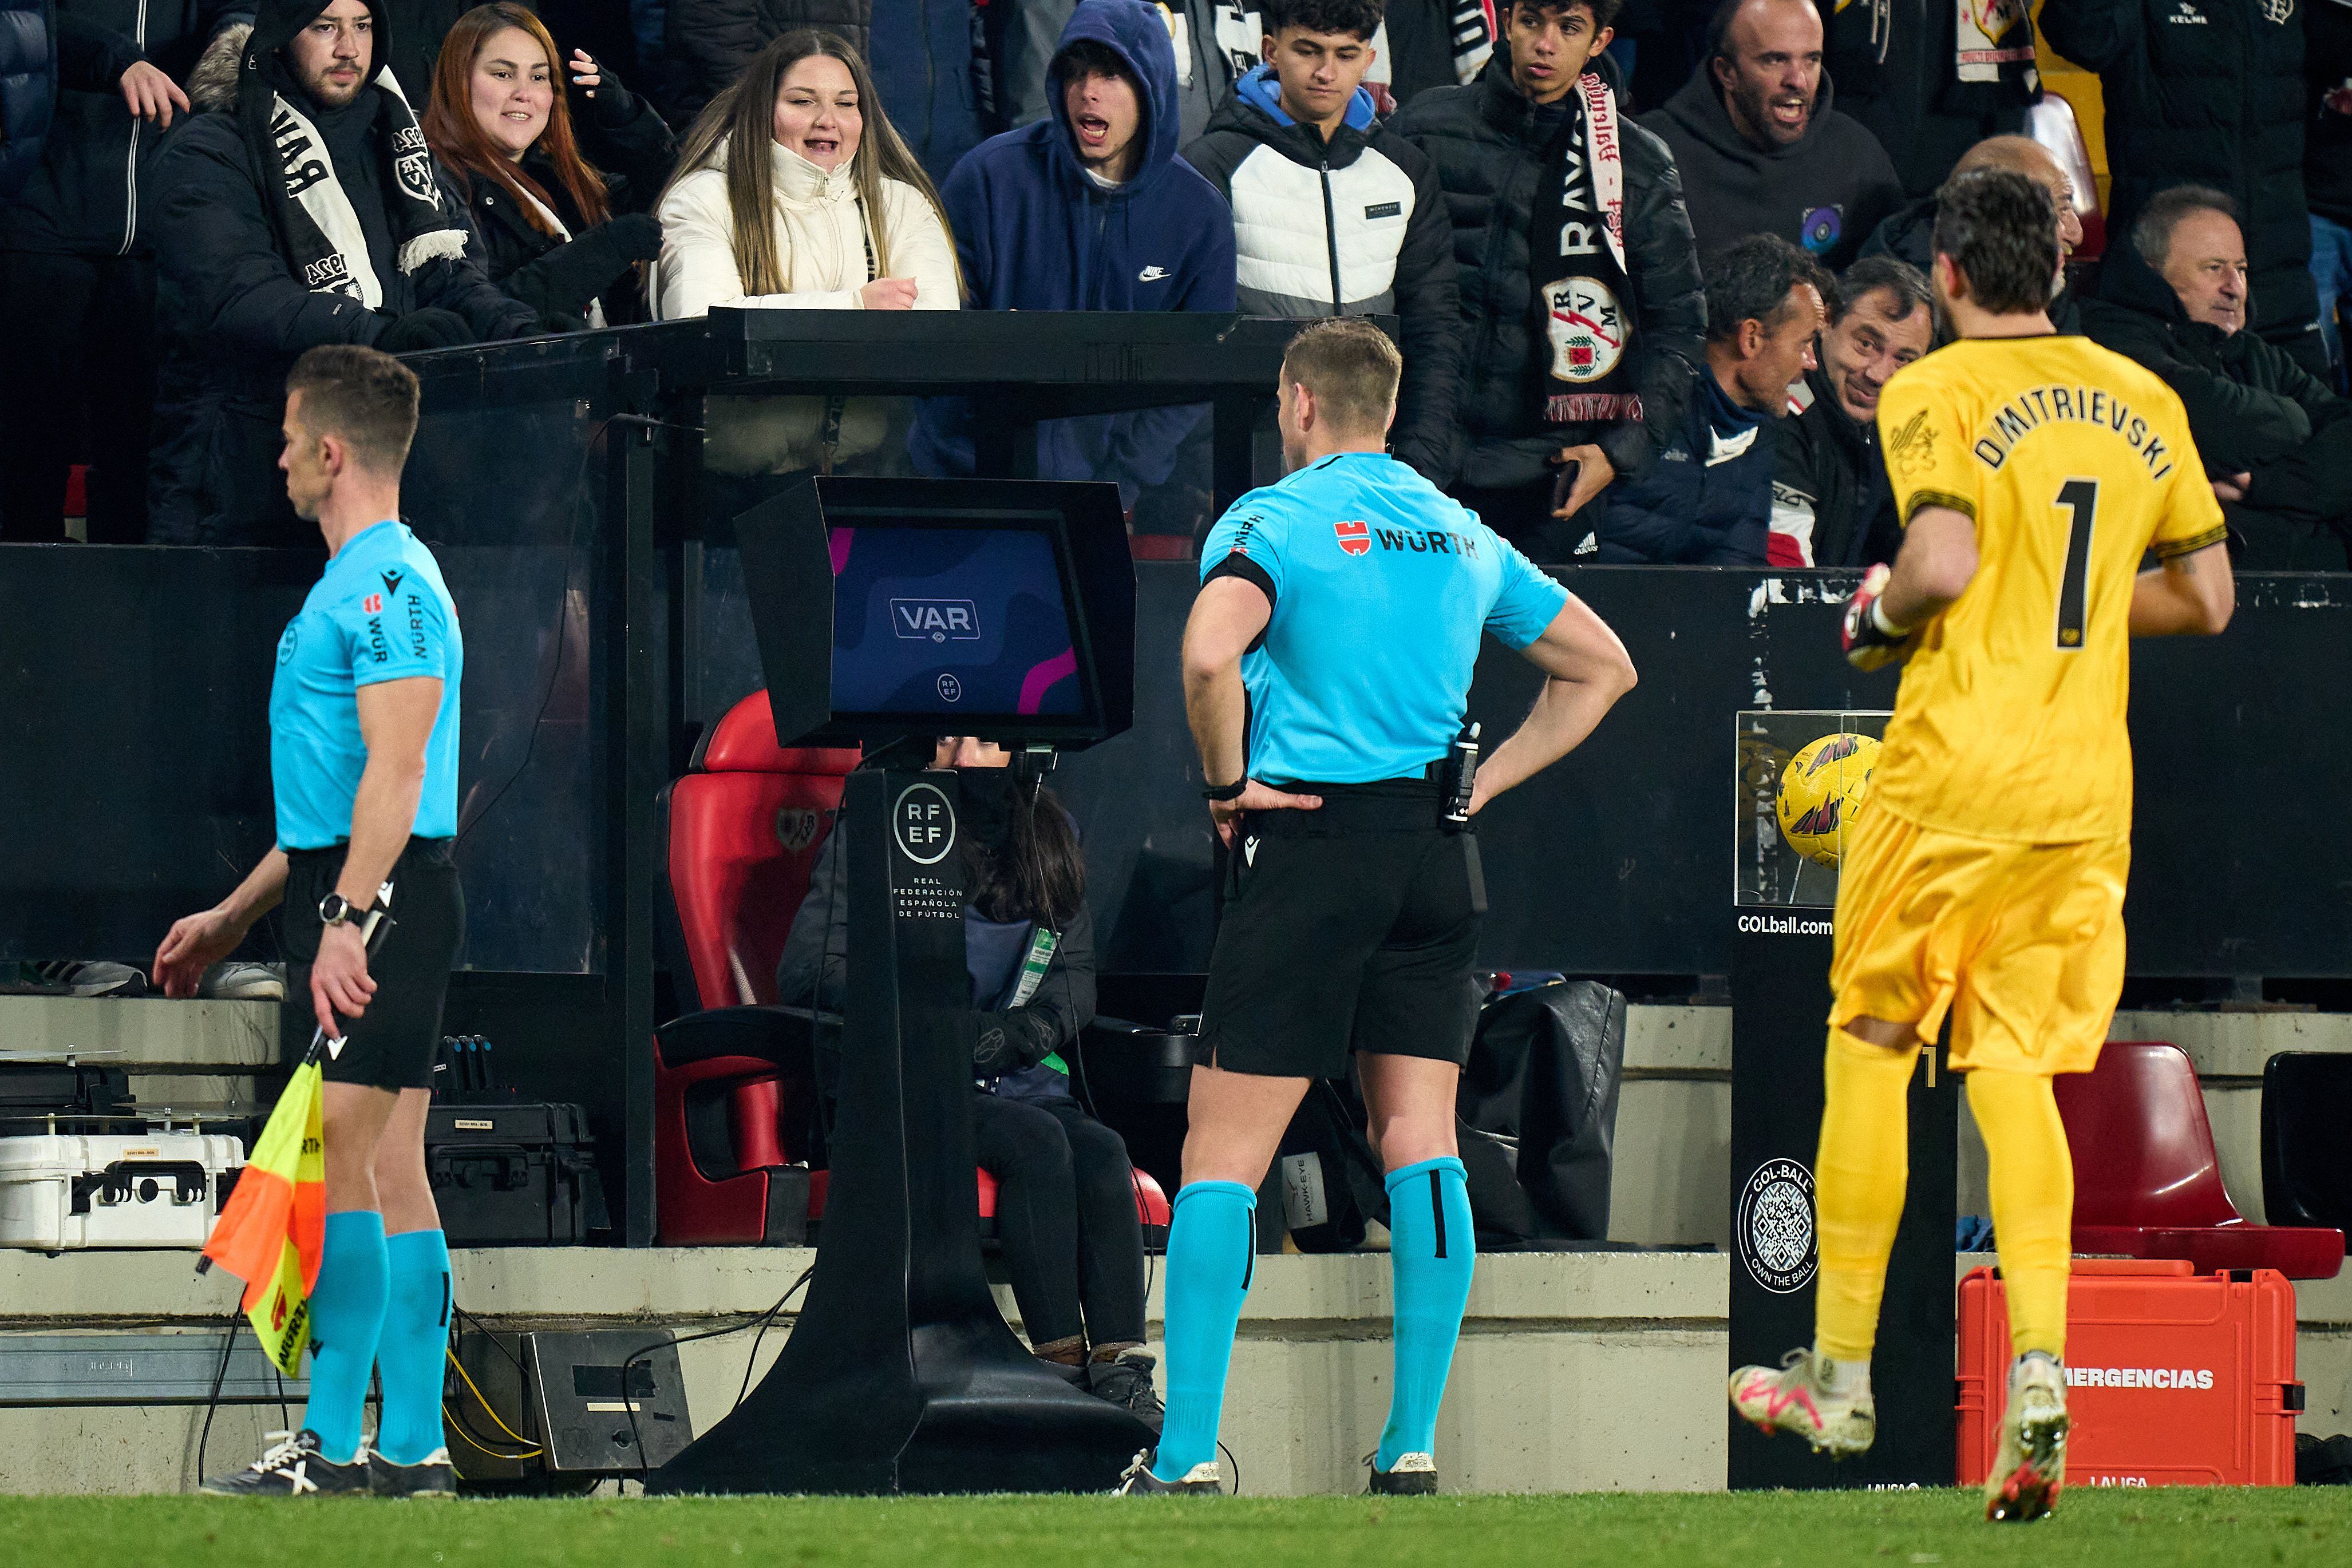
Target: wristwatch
335 910
1222 792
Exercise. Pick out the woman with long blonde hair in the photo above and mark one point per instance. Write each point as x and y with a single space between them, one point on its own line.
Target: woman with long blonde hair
795 191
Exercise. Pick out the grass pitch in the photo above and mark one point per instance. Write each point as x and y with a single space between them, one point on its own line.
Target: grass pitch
2150 1529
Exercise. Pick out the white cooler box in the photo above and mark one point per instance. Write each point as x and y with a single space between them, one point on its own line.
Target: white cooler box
163 1189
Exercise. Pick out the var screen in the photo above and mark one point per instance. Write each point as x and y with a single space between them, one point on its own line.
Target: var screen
949 622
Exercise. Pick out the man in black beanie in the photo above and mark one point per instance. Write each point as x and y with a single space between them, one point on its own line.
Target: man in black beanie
307 212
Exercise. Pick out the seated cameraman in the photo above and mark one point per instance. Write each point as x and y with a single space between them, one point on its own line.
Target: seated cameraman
1065 1191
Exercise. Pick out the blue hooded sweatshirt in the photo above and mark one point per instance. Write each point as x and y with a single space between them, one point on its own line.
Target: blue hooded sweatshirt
1035 233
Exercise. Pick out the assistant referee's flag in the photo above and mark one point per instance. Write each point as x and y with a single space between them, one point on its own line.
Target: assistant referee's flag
273 1233
274 1230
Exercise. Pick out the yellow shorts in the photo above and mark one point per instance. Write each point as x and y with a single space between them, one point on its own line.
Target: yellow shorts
2022 944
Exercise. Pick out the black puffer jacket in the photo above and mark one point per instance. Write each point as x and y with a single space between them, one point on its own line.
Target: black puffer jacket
2251 410
1490 145
233 317
622 135
82 198
707 41
2207 92
1831 504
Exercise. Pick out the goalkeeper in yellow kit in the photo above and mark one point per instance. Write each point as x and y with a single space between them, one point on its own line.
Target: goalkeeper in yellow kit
2034 474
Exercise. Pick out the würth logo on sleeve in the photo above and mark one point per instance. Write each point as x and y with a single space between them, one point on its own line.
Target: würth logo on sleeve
1354 538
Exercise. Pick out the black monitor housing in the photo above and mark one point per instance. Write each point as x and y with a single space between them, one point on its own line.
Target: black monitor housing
1003 609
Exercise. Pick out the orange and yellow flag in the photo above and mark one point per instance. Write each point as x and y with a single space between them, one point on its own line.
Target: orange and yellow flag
274 1230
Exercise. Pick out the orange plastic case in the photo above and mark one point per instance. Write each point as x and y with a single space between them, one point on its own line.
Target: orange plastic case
2172 1379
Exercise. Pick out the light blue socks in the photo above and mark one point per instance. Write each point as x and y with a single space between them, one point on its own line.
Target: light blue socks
1212 1246
410 1355
346 1317
1432 1247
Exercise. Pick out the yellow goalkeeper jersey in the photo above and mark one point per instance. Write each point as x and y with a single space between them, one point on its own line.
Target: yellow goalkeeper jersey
2074 462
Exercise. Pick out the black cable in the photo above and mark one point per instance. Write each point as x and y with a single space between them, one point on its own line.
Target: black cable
628 1400
562 624
1237 1464
211 1401
752 1360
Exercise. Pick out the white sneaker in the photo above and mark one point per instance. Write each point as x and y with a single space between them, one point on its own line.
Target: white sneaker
2031 1466
1795 1398
240 982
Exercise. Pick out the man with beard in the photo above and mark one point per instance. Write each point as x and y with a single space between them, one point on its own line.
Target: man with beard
1761 151
309 212
1831 504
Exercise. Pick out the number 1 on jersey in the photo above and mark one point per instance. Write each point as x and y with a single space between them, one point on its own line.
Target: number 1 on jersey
2079 497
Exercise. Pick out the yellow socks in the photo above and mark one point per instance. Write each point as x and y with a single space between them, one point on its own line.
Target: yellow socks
1858 1179
2032 1202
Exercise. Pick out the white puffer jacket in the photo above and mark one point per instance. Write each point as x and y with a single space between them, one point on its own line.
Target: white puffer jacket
821 239
820 234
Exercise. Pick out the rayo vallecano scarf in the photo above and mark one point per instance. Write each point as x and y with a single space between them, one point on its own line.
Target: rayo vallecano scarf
1577 256
327 248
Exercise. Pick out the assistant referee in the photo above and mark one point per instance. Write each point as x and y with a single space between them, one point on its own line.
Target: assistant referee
364 761
1327 675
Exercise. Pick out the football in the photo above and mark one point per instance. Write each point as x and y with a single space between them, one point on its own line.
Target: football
1822 789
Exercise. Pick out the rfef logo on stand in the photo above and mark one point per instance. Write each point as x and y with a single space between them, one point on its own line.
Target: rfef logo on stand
1774 1229
924 823
1354 538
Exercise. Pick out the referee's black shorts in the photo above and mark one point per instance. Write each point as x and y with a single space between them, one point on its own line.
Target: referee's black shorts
1354 929
391 1045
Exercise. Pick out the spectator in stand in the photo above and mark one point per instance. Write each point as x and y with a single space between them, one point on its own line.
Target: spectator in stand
1708 500
2209 93
828 211
1909 236
1090 209
2275 439
1831 504
1335 213
1931 78
919 53
1761 148
1582 316
76 274
501 126
1211 42
305 211
2327 171
1419 45
1066 1192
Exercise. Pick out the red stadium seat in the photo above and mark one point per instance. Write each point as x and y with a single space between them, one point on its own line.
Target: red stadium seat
734 1088
2148 1183
2051 123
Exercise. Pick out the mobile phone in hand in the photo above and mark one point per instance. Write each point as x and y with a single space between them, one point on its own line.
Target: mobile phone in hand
1564 484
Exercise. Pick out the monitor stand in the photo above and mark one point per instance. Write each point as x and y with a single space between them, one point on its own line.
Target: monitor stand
900 1375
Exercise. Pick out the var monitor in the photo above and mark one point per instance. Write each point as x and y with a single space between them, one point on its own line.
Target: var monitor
1003 609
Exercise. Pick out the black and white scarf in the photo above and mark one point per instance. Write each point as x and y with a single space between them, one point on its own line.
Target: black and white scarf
1577 262
326 246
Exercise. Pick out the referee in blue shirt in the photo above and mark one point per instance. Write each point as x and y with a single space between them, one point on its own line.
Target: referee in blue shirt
363 763
1326 674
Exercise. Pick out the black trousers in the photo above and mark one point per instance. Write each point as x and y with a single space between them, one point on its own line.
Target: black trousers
81 337
1065 1218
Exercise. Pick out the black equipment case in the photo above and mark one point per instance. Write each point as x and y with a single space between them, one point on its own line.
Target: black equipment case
514 1174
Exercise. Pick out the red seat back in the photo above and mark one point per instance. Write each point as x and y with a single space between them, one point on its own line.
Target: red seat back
744 830
2143 1149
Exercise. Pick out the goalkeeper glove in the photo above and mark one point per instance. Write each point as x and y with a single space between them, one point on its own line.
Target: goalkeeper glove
1871 641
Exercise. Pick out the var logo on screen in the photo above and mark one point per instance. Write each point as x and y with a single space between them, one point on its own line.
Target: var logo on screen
935 620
